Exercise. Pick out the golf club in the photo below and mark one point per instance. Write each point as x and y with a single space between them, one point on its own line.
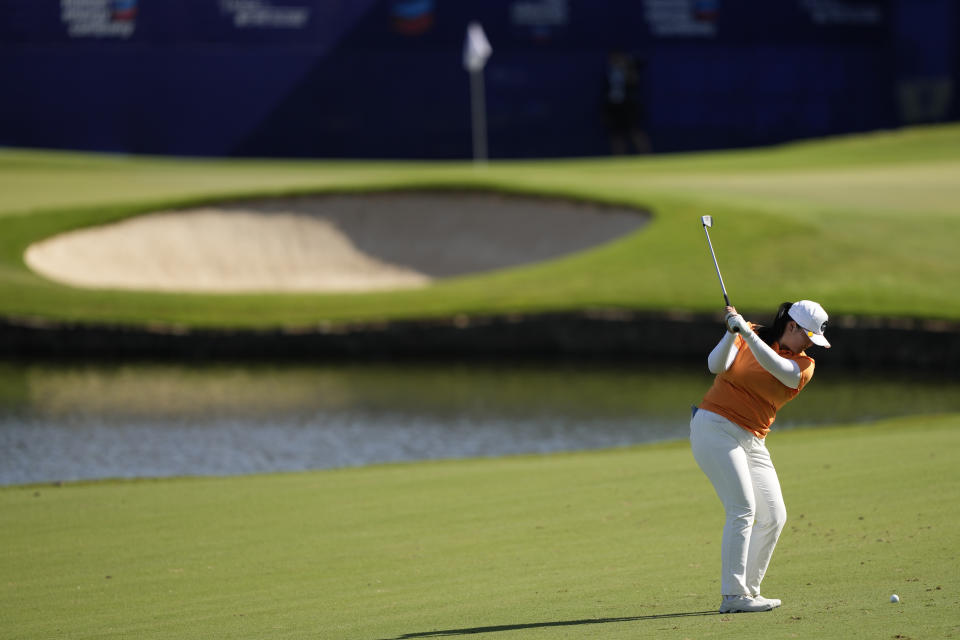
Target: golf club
707 222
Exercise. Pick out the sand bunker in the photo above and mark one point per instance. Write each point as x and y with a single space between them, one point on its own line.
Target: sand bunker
326 243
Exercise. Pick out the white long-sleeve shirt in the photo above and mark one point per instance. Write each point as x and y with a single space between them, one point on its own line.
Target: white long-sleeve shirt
785 370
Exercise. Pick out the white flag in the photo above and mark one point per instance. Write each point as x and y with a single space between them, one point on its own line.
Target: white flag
476 48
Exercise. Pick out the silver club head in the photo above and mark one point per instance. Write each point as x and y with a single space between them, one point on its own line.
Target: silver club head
707 221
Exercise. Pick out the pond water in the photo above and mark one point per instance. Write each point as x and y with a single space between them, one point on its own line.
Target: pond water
64 422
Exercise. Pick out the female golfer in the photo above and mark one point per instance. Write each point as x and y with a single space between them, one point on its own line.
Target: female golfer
759 369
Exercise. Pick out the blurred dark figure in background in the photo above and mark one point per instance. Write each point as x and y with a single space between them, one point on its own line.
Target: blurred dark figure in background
624 112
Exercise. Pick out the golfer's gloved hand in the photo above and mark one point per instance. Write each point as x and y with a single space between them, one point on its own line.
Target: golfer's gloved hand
736 324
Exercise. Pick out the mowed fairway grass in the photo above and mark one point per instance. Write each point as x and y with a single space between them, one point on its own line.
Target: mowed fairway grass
867 225
610 544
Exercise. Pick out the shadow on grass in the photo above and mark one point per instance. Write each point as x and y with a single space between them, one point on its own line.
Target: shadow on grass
541 625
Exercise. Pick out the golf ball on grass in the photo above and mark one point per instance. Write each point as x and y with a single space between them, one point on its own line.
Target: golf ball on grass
894 598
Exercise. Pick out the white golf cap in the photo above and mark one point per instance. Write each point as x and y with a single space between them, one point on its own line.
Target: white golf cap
812 318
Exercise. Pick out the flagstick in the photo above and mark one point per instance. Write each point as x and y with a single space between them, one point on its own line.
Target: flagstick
478 111
476 50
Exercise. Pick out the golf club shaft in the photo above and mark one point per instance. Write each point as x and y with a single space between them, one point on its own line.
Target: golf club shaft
717 265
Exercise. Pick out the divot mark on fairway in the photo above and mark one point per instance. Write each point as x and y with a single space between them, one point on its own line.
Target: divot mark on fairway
332 243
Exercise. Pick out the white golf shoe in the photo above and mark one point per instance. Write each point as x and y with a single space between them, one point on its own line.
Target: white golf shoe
746 604
774 602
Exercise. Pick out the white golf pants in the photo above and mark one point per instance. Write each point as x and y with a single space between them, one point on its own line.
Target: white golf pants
739 466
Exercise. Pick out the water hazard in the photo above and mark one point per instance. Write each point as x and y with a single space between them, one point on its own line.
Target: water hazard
64 422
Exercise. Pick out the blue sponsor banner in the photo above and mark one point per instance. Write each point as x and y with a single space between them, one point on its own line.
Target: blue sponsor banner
257 22
383 78
515 23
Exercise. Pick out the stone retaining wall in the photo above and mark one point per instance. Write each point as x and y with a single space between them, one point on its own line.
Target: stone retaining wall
857 342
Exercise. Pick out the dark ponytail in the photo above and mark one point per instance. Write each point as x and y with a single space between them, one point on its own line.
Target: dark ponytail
773 333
